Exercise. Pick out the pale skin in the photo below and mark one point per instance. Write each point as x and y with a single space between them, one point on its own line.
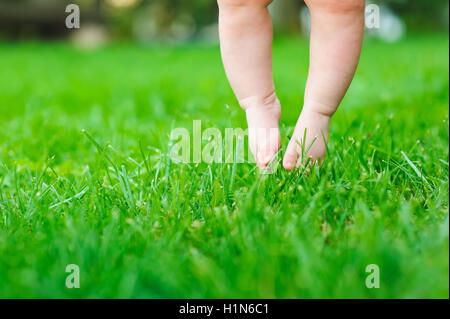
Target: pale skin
245 29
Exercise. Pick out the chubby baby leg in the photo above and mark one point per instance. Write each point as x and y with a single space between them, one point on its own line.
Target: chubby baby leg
337 30
246 33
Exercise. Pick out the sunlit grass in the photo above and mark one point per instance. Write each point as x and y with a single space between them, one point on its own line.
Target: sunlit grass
84 178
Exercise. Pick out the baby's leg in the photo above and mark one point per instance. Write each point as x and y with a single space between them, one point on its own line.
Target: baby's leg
245 29
337 30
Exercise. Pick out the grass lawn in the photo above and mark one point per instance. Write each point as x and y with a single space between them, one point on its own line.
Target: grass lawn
139 225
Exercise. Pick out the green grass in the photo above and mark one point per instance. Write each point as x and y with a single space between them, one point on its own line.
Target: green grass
141 226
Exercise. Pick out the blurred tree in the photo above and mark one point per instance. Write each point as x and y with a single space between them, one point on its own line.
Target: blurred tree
178 19
286 15
420 14
159 19
40 18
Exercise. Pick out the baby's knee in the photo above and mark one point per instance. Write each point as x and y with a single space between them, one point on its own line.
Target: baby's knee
336 6
243 3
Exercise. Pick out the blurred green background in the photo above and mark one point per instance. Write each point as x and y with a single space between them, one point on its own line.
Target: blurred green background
84 179
184 20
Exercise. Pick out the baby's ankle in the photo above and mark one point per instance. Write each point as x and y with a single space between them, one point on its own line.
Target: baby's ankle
268 102
318 109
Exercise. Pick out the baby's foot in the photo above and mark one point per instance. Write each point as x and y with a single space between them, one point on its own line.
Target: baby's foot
317 126
263 116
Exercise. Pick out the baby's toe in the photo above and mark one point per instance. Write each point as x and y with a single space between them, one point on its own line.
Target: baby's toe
291 156
267 150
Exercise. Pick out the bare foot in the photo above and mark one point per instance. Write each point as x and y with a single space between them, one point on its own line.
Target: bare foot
263 116
316 126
